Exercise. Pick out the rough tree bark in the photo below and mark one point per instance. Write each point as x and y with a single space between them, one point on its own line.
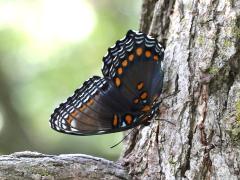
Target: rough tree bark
202 64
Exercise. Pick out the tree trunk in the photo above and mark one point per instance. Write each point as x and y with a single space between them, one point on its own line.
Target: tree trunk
201 98
202 64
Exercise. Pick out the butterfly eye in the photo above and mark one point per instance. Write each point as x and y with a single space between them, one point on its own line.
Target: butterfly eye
123 98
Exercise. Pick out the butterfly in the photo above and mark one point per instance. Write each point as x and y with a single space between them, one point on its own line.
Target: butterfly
125 97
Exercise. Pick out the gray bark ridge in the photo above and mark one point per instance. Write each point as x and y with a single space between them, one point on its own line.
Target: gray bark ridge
33 165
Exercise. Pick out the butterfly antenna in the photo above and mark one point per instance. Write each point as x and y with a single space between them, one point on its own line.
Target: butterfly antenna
123 138
134 129
166 121
170 95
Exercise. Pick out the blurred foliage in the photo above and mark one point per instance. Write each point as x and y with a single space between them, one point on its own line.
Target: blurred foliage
35 78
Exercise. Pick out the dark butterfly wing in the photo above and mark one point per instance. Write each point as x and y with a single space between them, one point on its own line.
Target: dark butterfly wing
123 98
93 109
134 65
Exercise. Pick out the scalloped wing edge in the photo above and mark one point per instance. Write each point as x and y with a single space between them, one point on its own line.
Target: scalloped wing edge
125 45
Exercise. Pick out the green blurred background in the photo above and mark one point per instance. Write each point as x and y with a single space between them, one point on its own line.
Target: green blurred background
47 49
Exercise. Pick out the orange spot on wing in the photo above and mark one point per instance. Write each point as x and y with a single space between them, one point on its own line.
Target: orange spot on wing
144 95
71 116
124 63
135 101
115 120
139 51
148 53
128 119
140 85
155 57
131 57
74 113
82 107
69 120
146 108
90 102
120 70
117 81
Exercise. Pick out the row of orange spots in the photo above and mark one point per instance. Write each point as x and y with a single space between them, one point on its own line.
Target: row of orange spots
117 80
128 118
148 53
120 69
124 63
143 96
